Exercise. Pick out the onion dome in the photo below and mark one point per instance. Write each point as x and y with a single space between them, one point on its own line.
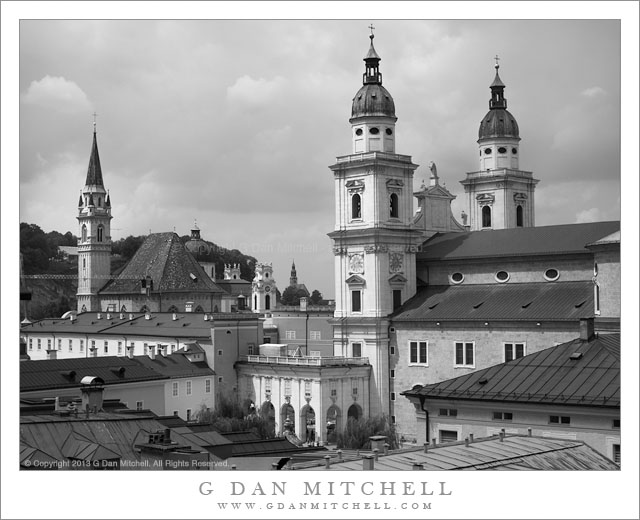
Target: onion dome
372 99
198 247
498 122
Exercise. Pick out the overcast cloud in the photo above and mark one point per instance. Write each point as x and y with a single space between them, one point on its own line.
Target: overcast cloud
234 123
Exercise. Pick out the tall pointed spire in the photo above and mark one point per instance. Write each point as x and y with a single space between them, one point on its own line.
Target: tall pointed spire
94 172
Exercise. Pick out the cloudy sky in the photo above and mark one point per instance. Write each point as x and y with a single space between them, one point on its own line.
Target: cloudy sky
233 123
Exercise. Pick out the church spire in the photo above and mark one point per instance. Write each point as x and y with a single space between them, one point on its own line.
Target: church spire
497 90
293 280
94 172
372 74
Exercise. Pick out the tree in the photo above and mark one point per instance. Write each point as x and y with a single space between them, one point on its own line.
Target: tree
292 295
316 297
229 416
357 432
35 249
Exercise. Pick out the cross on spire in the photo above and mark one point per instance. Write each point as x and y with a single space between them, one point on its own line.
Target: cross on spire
497 64
94 121
371 27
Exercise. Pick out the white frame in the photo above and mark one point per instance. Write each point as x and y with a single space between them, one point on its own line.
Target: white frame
464 354
175 389
513 344
418 362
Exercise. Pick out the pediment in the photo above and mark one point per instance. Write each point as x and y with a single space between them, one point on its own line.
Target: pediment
397 279
354 279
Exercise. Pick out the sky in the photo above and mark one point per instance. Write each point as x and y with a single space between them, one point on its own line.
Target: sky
233 123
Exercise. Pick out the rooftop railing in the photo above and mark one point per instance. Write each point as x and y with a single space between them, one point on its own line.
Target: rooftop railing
306 361
373 155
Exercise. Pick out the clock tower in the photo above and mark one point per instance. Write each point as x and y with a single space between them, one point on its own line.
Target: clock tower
263 289
374 240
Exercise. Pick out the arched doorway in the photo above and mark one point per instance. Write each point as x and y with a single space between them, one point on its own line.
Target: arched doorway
287 419
354 412
268 413
308 424
333 424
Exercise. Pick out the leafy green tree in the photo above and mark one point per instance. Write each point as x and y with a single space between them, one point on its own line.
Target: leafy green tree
357 432
316 297
35 249
229 416
292 295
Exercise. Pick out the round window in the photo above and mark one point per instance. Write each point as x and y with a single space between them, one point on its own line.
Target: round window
359 131
374 130
502 149
457 277
388 131
487 151
502 276
551 275
514 151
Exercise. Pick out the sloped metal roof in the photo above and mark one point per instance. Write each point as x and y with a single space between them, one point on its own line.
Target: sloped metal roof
543 240
163 257
546 377
514 452
549 301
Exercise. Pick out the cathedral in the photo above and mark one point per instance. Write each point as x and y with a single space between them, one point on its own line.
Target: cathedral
426 298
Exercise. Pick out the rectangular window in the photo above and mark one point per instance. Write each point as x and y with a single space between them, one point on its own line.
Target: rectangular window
219 379
266 339
175 413
70 345
448 412
81 345
559 419
267 384
616 453
513 351
290 334
616 423
31 343
220 352
175 389
393 374
250 348
307 387
48 344
59 344
418 352
39 344
119 347
315 335
393 396
448 435
145 348
464 354
356 303
188 387
502 416
287 387
356 349
354 391
392 350
315 353
397 298
106 347
93 344
393 419
139 405
174 347
207 386
188 414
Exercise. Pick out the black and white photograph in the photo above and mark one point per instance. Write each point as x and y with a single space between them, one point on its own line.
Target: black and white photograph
325 242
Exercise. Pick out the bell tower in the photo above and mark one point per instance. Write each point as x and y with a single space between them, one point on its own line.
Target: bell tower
94 242
499 194
263 289
374 240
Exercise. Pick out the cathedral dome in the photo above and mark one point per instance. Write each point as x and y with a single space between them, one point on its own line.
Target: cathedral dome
498 123
373 100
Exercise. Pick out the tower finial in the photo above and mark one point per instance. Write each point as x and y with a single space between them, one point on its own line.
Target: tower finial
94 121
371 27
497 64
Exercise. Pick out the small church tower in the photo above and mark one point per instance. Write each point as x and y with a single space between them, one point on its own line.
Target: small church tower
263 288
293 279
499 194
94 242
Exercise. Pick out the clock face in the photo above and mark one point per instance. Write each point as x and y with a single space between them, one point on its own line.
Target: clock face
267 289
395 262
356 263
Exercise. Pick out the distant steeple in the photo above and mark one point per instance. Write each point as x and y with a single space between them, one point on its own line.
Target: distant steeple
293 280
94 172
372 73
497 91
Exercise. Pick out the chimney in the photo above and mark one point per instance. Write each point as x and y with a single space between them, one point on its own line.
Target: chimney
368 463
386 448
206 317
471 437
99 316
586 329
529 432
162 350
416 466
174 317
152 351
92 393
167 435
327 461
303 304
130 316
108 316
466 442
52 354
433 441
339 452
147 315
376 452
130 351
502 436
426 447
72 317
377 442
56 404
122 315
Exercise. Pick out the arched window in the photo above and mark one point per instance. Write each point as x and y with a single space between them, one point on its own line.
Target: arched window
255 301
144 309
123 308
99 201
199 309
356 210
173 308
84 232
100 233
393 205
519 216
267 302
486 216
